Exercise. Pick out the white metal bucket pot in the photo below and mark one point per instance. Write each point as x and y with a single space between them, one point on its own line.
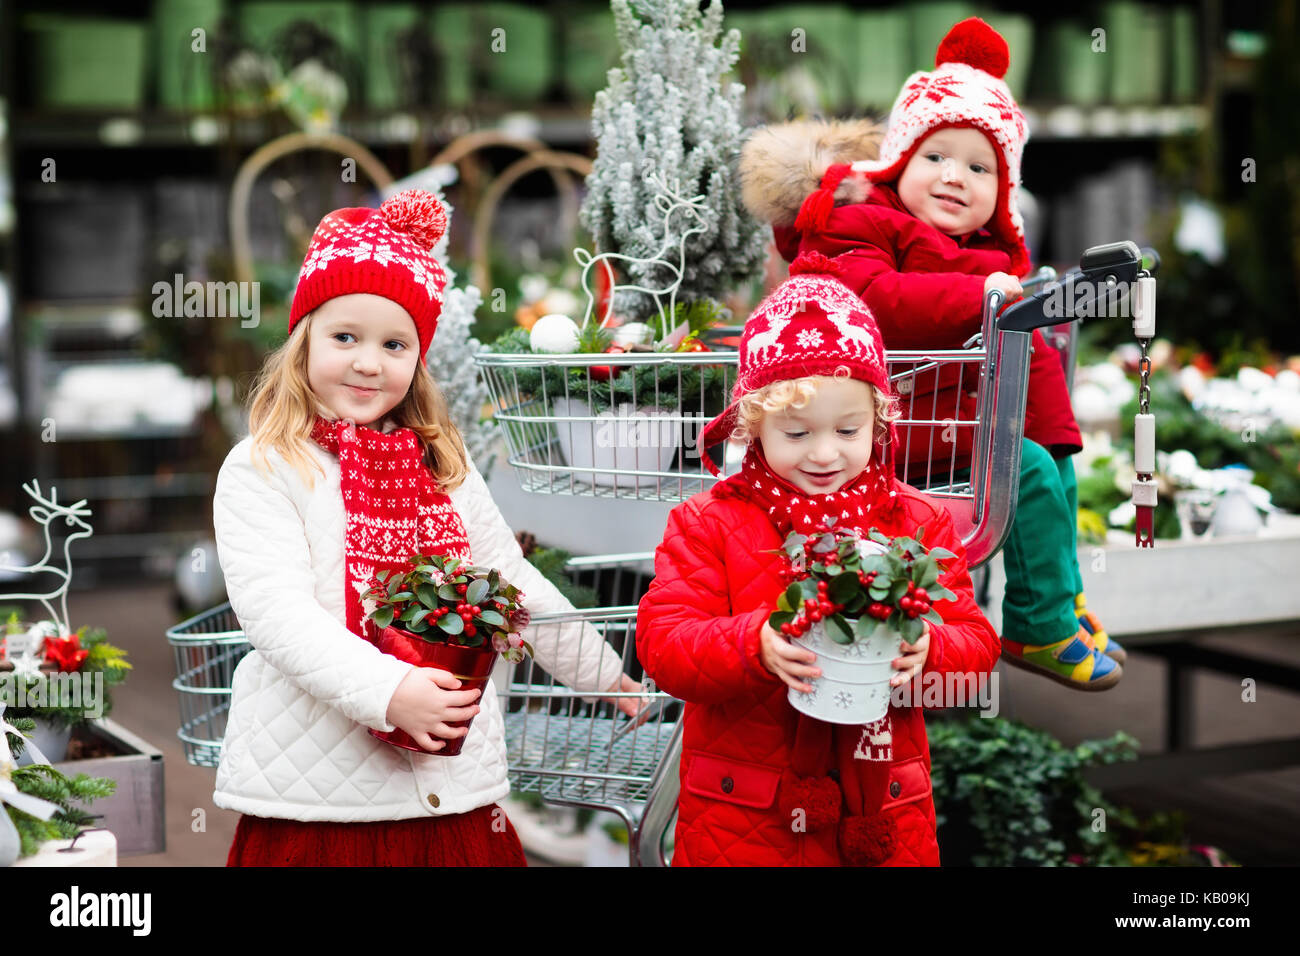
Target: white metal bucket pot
854 686
622 439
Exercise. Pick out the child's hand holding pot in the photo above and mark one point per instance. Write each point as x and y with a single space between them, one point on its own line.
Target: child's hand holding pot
786 660
913 659
426 701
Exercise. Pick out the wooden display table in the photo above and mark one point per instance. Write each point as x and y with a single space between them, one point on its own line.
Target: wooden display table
1163 601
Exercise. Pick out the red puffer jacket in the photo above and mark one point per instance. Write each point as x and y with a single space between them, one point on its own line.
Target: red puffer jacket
716 582
926 291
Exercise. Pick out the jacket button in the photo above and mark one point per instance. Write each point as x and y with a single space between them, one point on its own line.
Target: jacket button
434 801
895 789
728 785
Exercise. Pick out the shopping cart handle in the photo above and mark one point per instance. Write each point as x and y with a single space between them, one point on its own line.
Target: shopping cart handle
1105 275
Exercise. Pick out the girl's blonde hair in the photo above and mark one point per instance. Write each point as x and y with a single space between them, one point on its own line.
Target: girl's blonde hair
283 409
797 393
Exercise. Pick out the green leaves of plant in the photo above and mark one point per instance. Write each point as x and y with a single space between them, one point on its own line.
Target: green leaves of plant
478 590
838 630
864 627
793 598
452 624
843 587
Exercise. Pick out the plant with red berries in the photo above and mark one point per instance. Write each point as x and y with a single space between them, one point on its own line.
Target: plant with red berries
447 600
856 585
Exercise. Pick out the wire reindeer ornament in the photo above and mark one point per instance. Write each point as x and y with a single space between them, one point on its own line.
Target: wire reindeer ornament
669 201
45 512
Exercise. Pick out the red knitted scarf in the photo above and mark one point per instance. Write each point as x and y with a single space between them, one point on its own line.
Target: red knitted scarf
394 509
857 757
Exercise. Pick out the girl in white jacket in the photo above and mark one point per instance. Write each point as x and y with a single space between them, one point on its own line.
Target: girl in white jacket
348 399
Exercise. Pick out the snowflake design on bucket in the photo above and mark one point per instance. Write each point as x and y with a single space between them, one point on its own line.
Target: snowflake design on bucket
811 696
843 699
809 339
858 649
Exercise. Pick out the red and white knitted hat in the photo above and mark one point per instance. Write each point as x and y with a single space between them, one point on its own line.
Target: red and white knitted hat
811 324
386 252
965 89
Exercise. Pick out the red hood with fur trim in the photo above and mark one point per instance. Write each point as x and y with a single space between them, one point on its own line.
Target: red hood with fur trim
924 288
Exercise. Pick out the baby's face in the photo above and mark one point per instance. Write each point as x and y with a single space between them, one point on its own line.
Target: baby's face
361 356
951 181
826 444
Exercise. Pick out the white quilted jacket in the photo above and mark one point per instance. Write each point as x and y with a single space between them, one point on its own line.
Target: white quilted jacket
297 744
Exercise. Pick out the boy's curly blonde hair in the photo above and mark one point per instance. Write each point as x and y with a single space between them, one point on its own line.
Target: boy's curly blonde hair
797 393
283 408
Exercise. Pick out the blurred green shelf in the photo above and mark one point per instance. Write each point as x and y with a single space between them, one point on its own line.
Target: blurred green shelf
559 126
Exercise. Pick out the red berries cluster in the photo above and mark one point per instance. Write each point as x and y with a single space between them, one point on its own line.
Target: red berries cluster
467 613
915 602
813 610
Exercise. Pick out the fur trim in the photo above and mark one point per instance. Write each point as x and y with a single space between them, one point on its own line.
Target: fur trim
866 841
781 165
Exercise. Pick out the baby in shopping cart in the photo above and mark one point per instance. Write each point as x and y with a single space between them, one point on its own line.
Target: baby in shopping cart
762 784
923 234
348 399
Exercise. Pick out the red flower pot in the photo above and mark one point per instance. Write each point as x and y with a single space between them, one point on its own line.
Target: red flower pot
471 665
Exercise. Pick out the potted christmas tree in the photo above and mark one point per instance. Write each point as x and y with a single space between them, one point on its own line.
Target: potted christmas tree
850 599
446 613
663 207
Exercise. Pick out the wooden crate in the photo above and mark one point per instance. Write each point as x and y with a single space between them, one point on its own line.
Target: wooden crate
135 813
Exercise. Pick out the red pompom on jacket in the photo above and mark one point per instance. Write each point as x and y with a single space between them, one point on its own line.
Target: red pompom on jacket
926 291
717 578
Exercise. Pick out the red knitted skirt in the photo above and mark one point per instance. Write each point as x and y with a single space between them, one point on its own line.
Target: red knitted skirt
482 837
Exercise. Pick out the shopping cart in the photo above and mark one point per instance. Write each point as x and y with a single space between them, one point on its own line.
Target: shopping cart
565 746
577 752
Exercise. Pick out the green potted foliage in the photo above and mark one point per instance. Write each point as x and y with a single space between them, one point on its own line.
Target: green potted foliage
62 681
446 613
850 599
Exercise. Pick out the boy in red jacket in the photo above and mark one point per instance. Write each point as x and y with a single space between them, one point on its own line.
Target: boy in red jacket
762 784
926 231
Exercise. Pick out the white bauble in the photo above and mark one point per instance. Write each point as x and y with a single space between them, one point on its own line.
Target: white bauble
554 333
634 333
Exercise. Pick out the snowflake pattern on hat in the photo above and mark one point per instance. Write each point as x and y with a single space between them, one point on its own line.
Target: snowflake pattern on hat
961 91
385 252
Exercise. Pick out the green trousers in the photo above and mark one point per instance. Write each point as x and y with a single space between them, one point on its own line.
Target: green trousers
1041 554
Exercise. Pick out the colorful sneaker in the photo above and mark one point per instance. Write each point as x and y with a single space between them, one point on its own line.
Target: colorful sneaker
1071 662
1097 636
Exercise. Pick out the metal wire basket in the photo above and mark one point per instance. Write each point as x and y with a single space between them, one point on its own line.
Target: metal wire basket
627 425
568 747
608 426
207 649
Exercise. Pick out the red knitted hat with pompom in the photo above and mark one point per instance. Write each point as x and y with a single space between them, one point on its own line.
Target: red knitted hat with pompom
964 89
810 324
385 251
